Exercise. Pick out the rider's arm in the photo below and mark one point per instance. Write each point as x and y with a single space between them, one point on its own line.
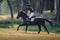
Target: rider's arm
28 12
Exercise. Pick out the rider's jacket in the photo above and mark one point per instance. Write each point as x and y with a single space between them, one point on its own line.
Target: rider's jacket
32 15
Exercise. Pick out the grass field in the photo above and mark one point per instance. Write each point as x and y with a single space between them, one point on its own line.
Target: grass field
12 34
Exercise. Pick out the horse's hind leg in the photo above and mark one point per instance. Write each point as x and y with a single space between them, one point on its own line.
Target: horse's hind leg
26 28
18 28
45 28
39 26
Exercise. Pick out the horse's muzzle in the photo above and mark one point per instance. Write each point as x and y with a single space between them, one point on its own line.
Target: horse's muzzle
17 17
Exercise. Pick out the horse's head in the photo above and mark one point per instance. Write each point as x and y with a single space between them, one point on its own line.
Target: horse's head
21 14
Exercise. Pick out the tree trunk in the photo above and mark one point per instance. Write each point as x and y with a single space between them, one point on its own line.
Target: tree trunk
29 1
10 8
0 9
41 6
24 4
19 5
9 4
36 6
58 10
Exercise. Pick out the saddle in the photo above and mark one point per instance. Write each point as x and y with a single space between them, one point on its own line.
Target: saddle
29 20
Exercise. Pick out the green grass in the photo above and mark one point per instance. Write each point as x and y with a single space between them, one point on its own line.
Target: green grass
57 27
33 28
7 24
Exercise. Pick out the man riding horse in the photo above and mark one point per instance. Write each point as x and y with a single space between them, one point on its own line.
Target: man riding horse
33 21
30 12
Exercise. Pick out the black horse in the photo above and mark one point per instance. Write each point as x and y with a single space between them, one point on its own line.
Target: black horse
37 21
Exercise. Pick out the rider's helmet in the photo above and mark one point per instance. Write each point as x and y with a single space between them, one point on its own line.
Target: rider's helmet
27 5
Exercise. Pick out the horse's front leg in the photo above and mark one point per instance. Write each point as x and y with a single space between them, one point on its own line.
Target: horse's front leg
26 28
18 28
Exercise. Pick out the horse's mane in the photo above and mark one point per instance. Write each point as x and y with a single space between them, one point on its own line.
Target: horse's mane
22 12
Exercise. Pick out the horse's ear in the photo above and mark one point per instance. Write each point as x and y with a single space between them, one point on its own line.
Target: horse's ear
19 12
22 12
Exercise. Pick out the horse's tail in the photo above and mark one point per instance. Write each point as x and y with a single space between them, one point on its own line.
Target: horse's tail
49 22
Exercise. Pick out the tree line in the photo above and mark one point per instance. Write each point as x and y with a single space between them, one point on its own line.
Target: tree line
38 5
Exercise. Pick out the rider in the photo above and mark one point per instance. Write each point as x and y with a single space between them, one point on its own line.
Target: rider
30 12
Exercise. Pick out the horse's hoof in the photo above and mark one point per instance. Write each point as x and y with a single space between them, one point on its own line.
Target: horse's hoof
38 32
48 32
25 31
17 29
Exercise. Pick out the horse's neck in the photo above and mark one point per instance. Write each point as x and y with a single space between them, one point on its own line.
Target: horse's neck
25 16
